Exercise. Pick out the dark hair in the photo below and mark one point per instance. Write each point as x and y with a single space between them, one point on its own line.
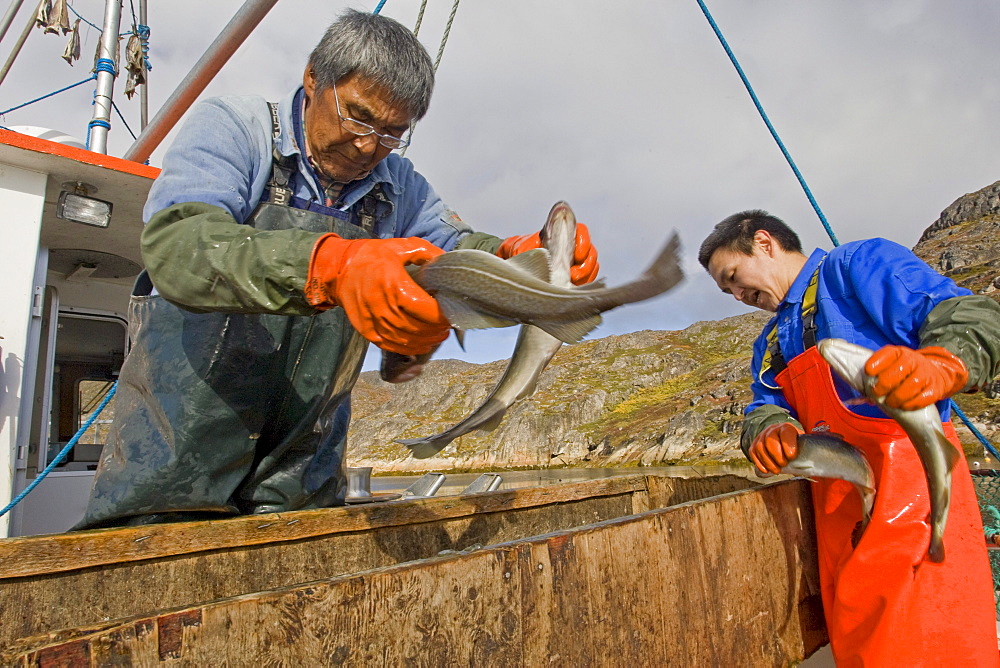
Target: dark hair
382 51
736 233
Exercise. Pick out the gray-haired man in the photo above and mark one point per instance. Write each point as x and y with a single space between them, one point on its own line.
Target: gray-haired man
275 247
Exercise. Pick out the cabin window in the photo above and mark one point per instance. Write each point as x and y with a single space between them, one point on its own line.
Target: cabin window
89 352
90 394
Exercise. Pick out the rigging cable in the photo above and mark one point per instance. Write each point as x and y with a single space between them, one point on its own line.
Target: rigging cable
420 18
440 53
808 192
37 99
767 121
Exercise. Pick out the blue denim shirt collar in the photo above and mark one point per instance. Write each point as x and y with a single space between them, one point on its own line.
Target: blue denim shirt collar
289 145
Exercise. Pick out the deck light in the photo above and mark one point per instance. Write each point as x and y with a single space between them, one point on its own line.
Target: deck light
76 205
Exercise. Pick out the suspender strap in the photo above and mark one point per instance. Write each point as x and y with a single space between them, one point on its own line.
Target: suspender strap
774 359
374 205
279 190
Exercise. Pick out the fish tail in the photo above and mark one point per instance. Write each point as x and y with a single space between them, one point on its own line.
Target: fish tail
662 274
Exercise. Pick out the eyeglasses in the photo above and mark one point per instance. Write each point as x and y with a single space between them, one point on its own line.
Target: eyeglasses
360 129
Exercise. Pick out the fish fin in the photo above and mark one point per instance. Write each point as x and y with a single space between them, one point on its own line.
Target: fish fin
534 262
493 422
422 448
463 316
460 337
570 332
599 284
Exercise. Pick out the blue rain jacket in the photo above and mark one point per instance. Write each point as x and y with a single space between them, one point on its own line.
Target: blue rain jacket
872 293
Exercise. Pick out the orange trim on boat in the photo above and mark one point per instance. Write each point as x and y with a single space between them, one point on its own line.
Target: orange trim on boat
30 143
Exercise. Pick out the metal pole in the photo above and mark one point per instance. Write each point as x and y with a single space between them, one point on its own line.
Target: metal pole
107 57
8 18
230 39
20 42
144 91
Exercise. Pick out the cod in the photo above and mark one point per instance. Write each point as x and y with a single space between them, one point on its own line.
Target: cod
478 290
532 353
828 456
923 427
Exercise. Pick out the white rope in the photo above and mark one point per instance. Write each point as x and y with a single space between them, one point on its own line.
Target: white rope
420 18
447 31
444 40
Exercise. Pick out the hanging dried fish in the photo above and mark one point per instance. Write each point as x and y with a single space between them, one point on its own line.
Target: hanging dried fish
58 18
134 65
42 17
72 51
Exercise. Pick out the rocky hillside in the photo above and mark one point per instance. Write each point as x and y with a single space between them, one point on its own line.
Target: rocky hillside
645 398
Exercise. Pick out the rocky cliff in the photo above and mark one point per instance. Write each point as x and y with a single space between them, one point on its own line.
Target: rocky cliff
645 398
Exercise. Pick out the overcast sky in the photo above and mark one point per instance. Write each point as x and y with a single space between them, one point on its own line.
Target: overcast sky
633 113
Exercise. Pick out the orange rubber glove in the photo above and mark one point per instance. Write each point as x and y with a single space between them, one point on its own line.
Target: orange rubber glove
775 446
912 379
366 278
585 266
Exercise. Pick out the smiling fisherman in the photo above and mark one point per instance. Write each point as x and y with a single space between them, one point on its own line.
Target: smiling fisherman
275 246
885 603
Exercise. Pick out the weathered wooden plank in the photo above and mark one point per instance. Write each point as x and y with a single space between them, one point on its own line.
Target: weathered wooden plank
75 598
664 491
39 555
679 586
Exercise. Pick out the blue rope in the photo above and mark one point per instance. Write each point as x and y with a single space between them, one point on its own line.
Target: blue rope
96 123
143 33
62 454
81 18
115 107
379 7
975 432
38 99
767 121
105 65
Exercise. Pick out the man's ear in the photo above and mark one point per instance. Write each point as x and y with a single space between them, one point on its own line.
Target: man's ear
763 239
309 81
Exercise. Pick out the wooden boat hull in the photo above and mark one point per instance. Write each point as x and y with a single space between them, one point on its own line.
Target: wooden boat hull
614 571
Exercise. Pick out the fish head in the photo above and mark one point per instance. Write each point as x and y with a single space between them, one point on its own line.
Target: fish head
848 361
399 368
558 236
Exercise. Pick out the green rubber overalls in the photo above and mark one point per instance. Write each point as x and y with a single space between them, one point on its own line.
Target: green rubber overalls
219 413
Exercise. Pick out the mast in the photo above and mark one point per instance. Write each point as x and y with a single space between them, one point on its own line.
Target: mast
107 59
230 39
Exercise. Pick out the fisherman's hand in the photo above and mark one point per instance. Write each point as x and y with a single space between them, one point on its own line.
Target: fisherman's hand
912 379
775 446
366 278
585 266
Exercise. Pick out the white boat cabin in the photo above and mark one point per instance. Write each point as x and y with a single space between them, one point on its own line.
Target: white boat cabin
64 302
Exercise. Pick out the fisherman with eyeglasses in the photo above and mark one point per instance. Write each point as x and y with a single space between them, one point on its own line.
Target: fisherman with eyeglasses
275 248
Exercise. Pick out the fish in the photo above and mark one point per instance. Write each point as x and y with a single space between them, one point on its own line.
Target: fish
57 19
72 51
923 427
134 64
478 290
534 349
828 456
